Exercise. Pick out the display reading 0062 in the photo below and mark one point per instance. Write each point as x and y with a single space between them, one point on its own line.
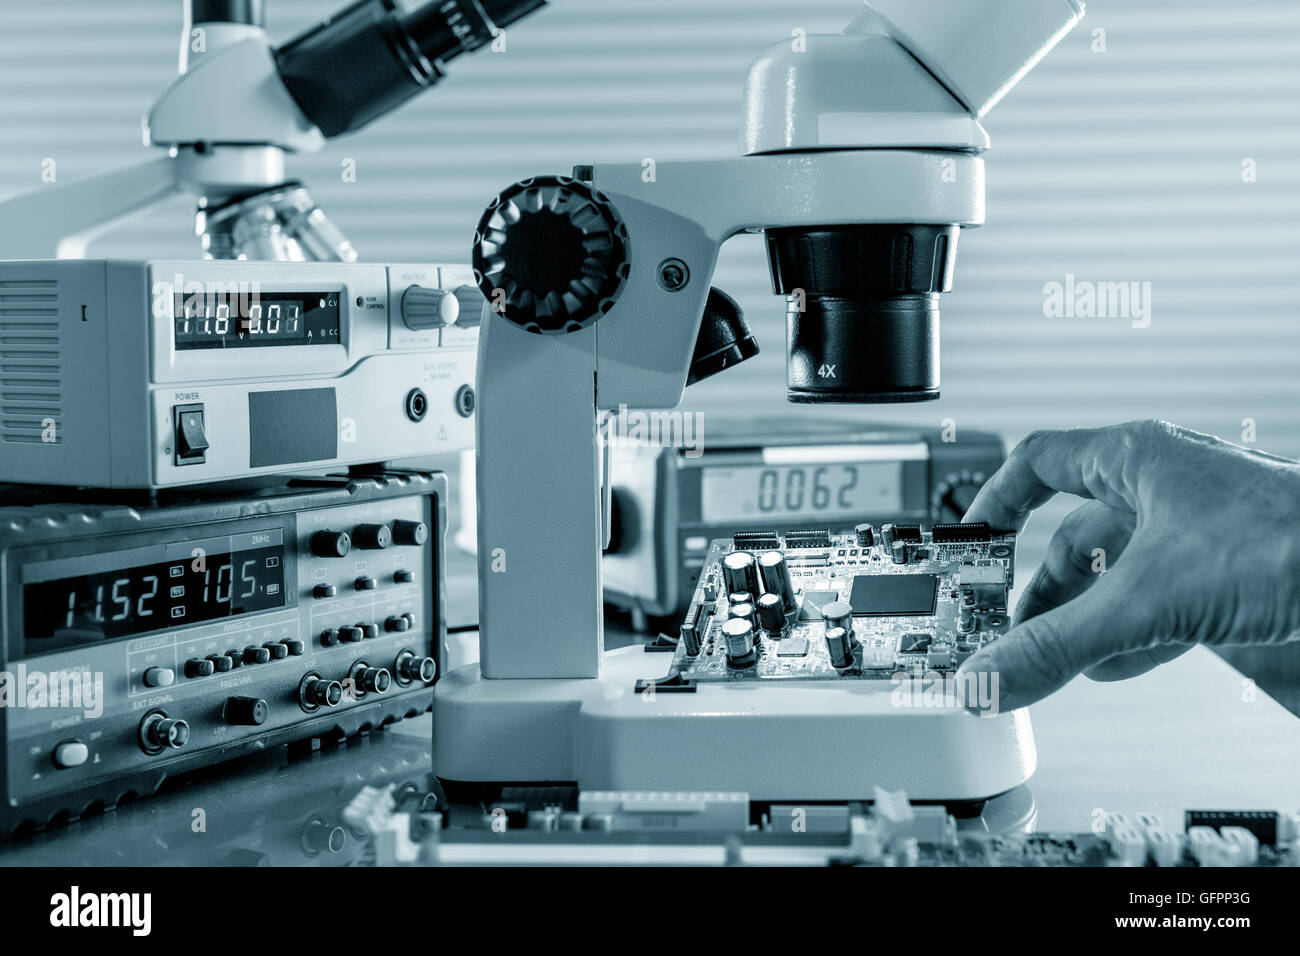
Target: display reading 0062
239 320
801 491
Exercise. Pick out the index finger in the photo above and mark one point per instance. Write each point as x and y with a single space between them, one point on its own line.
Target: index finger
1088 462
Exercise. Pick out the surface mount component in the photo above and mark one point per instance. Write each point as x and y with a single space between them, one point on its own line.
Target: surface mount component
893 618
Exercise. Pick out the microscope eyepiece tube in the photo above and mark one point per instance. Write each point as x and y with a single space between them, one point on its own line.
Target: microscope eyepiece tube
251 12
371 57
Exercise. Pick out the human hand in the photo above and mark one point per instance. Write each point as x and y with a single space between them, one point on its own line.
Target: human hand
1185 540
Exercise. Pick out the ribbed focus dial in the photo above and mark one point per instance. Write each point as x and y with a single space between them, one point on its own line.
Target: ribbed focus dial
551 255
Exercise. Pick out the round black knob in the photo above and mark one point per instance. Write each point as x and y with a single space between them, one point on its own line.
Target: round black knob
331 544
396 624
296 647
246 711
350 635
160 732
329 637
365 583
324 591
256 655
372 537
235 656
221 662
369 631
550 254
410 532
375 679
277 650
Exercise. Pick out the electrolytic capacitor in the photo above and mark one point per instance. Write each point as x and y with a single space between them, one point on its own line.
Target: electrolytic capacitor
739 637
840 647
866 535
740 597
887 536
740 573
693 629
744 612
898 552
771 615
774 576
839 614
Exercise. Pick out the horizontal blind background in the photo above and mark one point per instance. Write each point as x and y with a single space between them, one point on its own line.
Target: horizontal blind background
1116 166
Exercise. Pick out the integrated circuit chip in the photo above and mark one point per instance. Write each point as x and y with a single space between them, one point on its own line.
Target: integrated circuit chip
894 595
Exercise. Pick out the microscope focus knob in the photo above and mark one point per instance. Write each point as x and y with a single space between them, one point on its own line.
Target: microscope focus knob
427 309
550 255
724 339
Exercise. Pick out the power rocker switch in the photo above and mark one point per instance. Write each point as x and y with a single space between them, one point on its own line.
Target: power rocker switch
191 437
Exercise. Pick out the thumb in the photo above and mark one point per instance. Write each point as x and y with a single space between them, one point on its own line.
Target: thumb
1046 652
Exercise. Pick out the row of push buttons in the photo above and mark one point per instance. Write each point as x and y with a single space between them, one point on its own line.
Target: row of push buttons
355 633
221 663
363 583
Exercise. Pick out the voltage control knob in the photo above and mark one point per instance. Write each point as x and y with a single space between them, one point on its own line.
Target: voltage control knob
425 310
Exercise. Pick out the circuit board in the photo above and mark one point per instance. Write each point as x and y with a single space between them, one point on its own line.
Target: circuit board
921 601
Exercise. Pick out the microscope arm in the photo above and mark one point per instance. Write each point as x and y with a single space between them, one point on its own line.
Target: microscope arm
540 514
58 221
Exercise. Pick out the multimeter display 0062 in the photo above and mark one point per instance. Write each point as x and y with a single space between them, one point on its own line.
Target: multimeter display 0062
794 492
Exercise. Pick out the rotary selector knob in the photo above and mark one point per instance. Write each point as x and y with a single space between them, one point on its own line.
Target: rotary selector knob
551 255
428 309
471 304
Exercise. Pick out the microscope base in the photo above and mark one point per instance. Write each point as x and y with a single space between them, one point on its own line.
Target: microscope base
786 741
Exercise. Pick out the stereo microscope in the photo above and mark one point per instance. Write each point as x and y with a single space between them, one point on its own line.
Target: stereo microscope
862 162
240 105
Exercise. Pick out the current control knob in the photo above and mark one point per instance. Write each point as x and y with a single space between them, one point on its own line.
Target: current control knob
471 306
425 309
